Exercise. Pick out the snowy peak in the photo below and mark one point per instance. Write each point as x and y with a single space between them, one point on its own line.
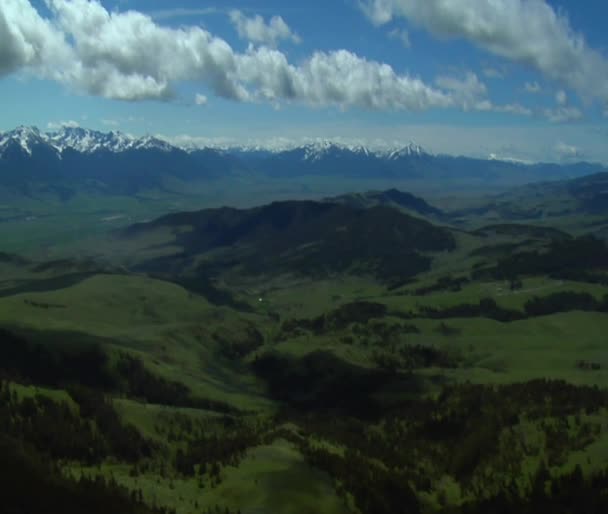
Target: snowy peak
318 150
25 138
410 150
89 141
150 143
78 139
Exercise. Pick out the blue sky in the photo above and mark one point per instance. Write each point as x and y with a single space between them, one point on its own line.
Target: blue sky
524 79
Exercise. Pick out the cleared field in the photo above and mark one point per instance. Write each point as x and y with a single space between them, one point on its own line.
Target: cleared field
545 347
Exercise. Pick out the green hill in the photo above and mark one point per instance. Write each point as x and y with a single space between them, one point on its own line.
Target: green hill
306 238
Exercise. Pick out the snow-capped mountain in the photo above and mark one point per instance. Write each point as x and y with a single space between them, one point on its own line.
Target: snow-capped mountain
319 149
74 158
409 150
89 141
331 158
80 140
150 142
25 138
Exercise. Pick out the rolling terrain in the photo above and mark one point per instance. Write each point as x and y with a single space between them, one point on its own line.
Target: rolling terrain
579 205
368 353
59 191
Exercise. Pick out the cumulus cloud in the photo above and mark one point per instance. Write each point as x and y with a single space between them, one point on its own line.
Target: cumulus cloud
471 94
128 56
563 114
532 87
201 99
493 73
28 40
337 78
401 35
256 30
469 91
529 32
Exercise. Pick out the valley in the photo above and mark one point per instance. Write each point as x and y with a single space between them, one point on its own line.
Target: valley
338 352
325 257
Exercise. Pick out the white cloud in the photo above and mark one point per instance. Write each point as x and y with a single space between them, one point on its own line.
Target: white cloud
128 56
515 108
493 73
338 78
110 123
561 97
529 32
201 99
563 114
532 87
180 12
378 11
28 40
567 152
402 35
57 125
256 30
470 94
469 91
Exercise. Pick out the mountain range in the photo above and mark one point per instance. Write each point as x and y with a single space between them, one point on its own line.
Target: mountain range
72 159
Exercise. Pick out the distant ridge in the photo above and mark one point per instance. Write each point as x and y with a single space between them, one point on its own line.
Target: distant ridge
390 198
73 160
89 141
587 195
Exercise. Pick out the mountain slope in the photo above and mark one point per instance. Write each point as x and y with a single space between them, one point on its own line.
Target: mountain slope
75 160
312 238
389 198
587 196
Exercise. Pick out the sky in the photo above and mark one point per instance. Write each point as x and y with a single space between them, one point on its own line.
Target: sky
513 79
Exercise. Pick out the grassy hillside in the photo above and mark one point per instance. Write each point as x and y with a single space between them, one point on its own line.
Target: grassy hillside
310 357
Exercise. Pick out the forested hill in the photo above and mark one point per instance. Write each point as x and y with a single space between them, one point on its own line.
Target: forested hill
389 198
304 237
